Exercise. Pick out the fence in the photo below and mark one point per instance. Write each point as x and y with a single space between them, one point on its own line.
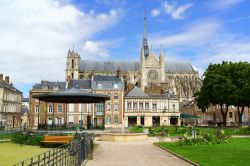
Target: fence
72 154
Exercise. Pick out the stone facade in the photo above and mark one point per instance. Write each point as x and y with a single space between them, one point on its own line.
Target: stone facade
150 110
179 77
10 104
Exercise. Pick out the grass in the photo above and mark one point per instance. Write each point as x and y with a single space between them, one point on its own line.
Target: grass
136 129
231 154
11 153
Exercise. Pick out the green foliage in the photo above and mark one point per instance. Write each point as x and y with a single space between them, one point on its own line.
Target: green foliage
168 130
225 84
136 129
27 138
217 137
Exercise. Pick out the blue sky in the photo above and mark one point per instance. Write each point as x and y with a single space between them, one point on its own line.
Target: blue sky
35 36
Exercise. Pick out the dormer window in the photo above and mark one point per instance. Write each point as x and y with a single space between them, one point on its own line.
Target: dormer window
99 85
115 85
56 87
44 87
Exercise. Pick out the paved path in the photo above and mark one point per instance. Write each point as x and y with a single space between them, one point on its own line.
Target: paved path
133 154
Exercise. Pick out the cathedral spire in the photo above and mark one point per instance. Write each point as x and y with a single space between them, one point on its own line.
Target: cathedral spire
145 40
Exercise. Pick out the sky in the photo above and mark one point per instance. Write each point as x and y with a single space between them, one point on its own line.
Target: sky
35 36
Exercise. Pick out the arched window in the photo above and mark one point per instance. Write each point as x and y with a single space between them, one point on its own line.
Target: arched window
72 75
72 63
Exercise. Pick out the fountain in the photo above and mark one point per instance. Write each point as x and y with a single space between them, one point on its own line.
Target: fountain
123 136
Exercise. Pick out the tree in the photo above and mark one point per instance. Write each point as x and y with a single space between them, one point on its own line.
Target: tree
217 89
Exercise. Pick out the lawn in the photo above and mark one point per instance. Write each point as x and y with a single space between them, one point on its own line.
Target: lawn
11 153
229 154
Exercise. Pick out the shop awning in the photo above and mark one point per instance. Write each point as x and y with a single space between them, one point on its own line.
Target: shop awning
188 116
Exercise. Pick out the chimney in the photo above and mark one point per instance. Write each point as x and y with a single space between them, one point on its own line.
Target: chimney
93 72
7 79
1 77
119 72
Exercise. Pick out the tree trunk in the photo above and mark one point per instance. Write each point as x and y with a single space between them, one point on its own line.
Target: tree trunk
224 115
240 113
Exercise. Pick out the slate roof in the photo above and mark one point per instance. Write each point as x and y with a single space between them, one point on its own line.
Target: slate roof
49 84
107 82
82 84
109 66
136 92
25 99
3 84
99 66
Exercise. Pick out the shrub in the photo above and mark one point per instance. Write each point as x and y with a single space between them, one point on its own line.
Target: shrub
27 138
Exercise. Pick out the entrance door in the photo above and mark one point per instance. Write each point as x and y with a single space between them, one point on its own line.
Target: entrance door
173 121
156 120
95 122
142 120
132 121
88 122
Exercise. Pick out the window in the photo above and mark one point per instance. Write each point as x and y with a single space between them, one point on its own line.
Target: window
108 120
146 106
115 85
99 108
135 106
72 64
116 106
154 106
59 108
37 108
116 97
50 109
108 107
140 105
56 87
99 85
59 121
116 119
173 107
128 105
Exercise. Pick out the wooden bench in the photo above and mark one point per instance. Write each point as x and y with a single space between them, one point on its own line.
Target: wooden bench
51 139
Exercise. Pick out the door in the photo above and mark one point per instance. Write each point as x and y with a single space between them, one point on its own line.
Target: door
142 120
88 122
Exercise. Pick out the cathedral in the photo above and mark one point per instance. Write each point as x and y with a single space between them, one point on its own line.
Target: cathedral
152 73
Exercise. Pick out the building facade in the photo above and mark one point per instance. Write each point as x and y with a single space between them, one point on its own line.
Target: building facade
150 109
10 104
87 115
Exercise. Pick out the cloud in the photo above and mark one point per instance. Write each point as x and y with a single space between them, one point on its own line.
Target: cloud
223 4
35 37
155 12
92 49
176 12
194 33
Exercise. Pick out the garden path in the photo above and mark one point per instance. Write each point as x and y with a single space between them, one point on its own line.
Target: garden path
142 153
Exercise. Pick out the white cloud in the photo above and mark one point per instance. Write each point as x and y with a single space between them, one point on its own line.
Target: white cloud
223 4
194 33
35 36
176 12
92 49
155 12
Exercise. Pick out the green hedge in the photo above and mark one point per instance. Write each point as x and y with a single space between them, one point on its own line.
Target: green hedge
27 138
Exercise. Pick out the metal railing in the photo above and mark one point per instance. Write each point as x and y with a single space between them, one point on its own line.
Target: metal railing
72 154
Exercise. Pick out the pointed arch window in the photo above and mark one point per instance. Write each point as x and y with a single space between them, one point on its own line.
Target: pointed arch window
72 64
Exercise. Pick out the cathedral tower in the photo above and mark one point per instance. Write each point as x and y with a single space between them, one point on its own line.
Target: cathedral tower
72 69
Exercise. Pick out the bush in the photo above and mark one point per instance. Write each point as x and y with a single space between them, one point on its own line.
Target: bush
136 129
217 137
27 138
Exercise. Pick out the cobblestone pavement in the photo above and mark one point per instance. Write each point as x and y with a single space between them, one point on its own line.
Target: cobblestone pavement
133 154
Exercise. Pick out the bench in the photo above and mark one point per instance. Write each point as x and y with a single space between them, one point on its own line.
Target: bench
51 139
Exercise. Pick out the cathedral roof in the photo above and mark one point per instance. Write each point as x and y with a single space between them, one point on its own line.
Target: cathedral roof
112 66
178 67
102 66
